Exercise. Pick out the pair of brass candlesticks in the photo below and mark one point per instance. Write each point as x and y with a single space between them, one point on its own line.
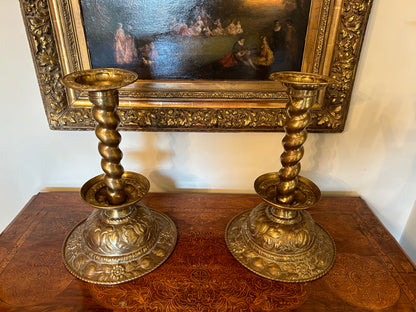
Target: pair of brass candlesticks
123 239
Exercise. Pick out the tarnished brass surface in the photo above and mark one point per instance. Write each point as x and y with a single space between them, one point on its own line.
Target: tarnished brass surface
294 252
278 239
105 250
122 239
100 79
94 191
305 195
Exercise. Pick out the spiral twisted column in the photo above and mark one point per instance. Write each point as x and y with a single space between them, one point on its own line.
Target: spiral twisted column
299 116
278 239
104 112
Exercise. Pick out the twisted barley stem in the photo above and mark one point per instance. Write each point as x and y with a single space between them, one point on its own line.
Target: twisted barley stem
297 108
104 112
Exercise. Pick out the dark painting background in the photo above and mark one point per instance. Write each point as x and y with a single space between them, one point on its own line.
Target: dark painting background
190 56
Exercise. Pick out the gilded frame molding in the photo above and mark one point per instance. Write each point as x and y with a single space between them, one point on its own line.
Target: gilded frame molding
333 44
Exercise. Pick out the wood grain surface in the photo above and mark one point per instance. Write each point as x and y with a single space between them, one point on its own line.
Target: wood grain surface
371 272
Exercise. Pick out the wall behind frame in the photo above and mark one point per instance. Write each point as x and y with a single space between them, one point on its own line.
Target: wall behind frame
375 156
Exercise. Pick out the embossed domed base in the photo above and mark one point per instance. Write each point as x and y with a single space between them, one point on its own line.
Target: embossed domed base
118 243
297 252
101 250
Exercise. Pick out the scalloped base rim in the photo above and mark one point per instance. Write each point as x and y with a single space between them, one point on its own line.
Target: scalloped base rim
92 267
292 267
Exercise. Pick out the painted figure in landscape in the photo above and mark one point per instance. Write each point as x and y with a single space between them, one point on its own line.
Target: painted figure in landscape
125 51
197 39
217 28
148 54
292 45
279 47
119 44
131 51
238 54
265 56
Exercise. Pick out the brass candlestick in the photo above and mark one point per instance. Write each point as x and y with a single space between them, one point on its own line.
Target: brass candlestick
278 239
122 239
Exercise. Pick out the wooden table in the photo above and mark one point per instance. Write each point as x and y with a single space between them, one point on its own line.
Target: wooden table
371 272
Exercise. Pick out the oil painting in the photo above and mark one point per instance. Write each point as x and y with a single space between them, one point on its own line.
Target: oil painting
203 65
197 39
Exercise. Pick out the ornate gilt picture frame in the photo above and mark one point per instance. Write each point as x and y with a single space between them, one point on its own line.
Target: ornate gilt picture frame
334 36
